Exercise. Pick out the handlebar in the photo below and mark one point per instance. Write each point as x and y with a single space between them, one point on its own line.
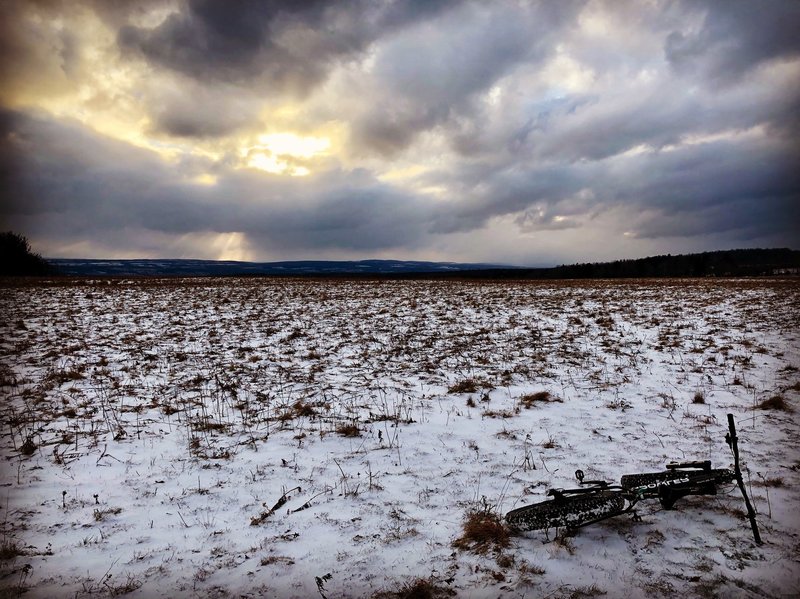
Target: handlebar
704 465
597 483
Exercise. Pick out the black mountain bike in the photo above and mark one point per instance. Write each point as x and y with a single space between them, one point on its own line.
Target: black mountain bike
598 500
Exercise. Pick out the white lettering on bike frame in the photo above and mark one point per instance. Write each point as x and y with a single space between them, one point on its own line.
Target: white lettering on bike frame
659 484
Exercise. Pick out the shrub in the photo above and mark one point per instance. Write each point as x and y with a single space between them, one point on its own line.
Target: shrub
348 430
531 399
9 550
17 259
776 402
483 530
100 515
465 386
301 408
776 482
29 447
420 588
498 414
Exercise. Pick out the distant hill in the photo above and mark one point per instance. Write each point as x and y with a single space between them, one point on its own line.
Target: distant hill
725 263
736 263
194 268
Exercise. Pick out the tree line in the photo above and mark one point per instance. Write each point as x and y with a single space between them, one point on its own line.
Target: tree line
18 260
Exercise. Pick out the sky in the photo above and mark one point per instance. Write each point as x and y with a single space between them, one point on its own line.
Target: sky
516 132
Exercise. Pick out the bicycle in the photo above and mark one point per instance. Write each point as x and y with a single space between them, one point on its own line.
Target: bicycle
598 500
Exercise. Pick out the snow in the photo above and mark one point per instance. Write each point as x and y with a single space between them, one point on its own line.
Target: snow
165 417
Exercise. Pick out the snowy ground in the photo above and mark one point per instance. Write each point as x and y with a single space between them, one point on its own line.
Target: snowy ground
149 426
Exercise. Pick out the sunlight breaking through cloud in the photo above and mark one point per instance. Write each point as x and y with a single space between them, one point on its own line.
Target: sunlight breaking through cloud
436 122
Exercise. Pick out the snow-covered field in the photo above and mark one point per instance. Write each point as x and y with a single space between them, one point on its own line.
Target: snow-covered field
148 428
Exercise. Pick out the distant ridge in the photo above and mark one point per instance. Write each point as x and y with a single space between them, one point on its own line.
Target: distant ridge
196 268
725 263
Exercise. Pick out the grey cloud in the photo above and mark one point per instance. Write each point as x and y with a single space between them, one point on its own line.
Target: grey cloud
543 152
600 125
28 46
776 218
513 191
621 111
117 13
282 45
539 219
189 110
742 187
430 75
212 41
35 39
735 36
63 165
96 185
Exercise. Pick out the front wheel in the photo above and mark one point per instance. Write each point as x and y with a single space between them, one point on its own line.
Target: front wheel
571 513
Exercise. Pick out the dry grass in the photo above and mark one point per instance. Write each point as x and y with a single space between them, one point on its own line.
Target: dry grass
231 373
100 515
28 448
564 541
465 386
483 530
498 414
277 559
10 550
586 592
539 397
776 402
774 482
348 430
419 588
301 408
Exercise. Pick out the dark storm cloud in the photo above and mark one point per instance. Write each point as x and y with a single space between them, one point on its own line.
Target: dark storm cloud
96 185
734 37
506 192
286 45
742 187
273 48
747 189
668 120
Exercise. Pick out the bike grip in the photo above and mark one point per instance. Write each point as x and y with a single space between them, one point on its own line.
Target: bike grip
704 464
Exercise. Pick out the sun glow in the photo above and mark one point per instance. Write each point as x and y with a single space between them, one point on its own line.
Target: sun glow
231 246
294 145
205 179
278 153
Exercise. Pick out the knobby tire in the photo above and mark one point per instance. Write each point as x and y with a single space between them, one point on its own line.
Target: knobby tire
569 513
